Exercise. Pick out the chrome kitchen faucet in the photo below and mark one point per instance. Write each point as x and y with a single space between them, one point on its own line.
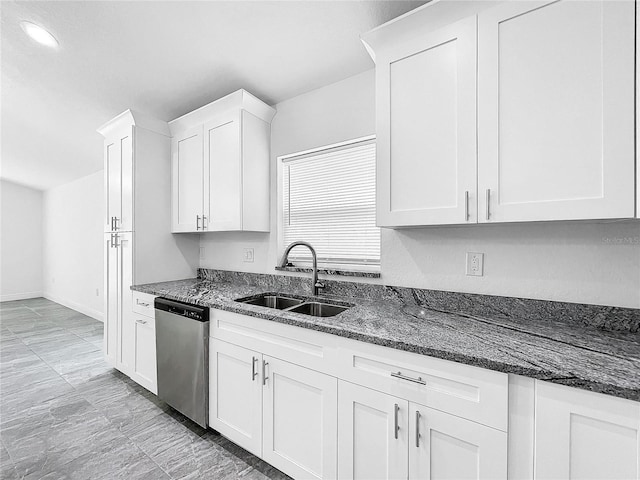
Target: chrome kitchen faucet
314 280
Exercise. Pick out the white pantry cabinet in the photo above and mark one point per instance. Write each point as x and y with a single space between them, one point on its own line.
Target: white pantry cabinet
282 412
385 437
137 199
553 120
118 176
220 166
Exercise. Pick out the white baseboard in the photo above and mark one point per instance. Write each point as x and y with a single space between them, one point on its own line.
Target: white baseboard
75 306
20 296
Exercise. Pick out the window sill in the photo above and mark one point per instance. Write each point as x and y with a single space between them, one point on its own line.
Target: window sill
369 273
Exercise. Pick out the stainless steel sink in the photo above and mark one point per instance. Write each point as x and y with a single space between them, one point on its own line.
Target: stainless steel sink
295 305
318 309
273 301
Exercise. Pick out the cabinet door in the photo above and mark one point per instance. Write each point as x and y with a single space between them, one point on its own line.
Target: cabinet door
444 446
144 359
372 434
118 157
581 434
235 394
186 181
112 299
300 420
426 172
223 173
125 350
556 118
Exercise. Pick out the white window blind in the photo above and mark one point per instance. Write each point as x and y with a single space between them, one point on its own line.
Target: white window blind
329 201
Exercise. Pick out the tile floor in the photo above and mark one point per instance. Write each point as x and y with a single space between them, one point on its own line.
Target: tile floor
65 414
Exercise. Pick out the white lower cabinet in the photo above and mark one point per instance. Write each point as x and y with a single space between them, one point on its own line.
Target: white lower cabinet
581 434
235 394
281 412
369 444
384 437
144 357
299 420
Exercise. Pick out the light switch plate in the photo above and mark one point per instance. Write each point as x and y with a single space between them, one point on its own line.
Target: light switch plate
475 264
248 255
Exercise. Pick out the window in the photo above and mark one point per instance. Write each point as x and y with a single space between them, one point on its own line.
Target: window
328 199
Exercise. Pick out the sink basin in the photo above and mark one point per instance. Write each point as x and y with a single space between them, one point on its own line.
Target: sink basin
296 305
273 301
317 309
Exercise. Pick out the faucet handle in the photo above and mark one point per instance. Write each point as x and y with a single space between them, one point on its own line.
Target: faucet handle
319 284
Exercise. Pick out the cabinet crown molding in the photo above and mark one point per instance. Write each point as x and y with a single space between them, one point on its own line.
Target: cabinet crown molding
238 100
425 19
131 117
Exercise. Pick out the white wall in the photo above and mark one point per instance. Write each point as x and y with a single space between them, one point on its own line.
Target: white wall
73 254
20 242
586 262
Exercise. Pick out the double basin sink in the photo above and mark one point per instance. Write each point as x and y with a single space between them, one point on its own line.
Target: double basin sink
296 305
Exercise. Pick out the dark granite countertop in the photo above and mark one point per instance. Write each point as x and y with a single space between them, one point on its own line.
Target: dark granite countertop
553 349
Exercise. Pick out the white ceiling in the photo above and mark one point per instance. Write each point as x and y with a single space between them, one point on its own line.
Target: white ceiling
161 58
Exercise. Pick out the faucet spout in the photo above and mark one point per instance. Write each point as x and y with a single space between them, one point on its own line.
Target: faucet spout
315 284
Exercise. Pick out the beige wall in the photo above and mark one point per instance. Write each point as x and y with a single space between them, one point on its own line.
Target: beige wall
20 242
585 262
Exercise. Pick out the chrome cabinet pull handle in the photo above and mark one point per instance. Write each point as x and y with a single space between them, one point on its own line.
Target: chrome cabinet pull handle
204 227
264 372
254 374
396 427
115 236
141 322
144 304
409 379
488 201
417 429
112 223
115 223
466 205
197 222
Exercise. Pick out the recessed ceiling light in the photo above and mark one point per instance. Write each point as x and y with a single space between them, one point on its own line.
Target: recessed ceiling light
39 34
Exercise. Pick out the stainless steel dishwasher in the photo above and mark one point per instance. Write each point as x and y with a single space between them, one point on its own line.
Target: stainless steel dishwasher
182 350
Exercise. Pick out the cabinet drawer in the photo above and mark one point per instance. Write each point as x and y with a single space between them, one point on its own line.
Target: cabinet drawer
307 348
469 392
143 304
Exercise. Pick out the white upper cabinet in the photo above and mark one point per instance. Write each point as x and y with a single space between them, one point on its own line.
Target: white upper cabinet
187 185
220 156
556 111
426 162
553 120
223 173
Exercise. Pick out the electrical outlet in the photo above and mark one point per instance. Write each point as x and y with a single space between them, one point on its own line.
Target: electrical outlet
475 264
248 255
202 253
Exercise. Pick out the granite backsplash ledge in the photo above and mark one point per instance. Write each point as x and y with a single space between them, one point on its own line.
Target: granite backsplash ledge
610 319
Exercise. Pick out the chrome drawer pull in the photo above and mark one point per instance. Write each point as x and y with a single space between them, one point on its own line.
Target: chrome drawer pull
410 379
141 322
488 203
143 304
264 372
254 374
396 427
418 428
466 206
